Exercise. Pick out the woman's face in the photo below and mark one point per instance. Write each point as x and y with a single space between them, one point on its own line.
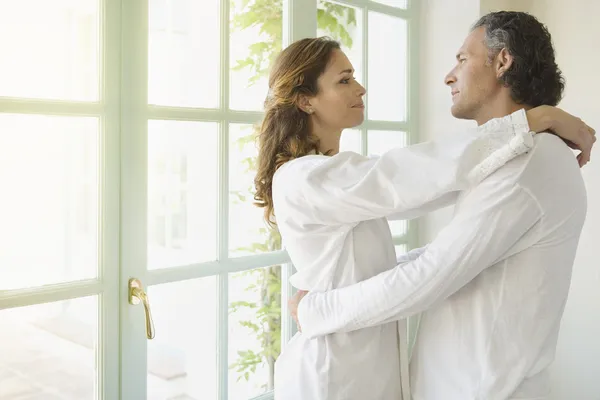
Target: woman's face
338 104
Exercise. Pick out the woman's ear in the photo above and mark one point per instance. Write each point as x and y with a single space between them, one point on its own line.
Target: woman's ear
504 61
305 105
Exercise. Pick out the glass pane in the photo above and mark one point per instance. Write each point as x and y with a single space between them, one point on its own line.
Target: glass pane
398 228
49 49
248 232
387 80
351 141
378 143
254 331
394 3
400 249
255 41
182 358
182 192
183 66
49 204
344 24
49 351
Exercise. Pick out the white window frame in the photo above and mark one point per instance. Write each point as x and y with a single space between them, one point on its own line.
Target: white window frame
123 112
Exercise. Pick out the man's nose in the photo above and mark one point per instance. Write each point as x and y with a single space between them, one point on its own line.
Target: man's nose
450 78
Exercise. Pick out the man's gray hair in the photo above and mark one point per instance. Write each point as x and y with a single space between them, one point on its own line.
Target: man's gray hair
534 77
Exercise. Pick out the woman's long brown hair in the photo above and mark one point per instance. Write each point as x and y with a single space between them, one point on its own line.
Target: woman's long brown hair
284 133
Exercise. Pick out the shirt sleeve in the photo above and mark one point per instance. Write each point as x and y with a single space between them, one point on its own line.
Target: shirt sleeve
404 182
410 256
492 219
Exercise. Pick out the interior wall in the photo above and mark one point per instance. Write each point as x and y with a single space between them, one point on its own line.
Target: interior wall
576 35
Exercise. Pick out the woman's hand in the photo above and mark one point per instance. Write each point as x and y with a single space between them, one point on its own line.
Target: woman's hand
576 133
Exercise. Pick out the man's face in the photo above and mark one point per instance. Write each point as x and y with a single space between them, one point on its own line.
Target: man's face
473 81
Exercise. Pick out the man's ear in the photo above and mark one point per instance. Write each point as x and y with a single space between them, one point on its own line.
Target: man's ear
305 105
504 61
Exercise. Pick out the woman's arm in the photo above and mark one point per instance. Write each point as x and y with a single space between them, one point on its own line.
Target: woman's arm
405 182
408 182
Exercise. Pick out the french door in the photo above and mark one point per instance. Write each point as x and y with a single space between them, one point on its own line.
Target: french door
133 264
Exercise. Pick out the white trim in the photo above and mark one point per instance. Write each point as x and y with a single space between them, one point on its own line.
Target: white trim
353 3
200 114
389 10
365 79
49 293
413 98
227 266
377 7
110 191
412 101
404 239
50 107
266 396
223 210
299 20
134 165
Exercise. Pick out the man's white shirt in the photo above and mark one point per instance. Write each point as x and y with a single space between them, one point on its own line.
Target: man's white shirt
493 284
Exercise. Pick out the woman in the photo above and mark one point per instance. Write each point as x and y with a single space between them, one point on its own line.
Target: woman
331 208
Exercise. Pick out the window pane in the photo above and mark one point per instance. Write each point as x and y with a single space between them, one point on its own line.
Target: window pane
344 24
49 351
398 228
387 80
182 358
183 66
378 143
394 3
255 41
400 249
381 141
182 192
351 141
55 55
49 204
254 331
248 232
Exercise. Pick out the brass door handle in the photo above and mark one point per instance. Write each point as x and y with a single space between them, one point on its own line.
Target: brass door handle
137 295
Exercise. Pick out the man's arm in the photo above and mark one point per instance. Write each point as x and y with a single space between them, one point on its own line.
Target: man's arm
491 220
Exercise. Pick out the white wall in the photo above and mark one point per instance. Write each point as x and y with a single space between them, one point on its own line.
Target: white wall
573 25
444 25
576 34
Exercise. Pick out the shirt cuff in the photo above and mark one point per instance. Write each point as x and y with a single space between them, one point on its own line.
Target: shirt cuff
520 142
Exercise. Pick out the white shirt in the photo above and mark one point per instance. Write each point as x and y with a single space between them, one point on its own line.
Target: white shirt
331 214
495 282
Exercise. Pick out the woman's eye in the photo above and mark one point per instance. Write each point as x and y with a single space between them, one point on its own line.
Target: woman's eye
346 81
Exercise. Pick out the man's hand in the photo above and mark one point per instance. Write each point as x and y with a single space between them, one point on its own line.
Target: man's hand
293 305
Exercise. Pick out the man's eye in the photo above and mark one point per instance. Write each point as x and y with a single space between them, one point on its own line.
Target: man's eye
462 60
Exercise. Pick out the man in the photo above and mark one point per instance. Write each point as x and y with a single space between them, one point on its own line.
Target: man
495 280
